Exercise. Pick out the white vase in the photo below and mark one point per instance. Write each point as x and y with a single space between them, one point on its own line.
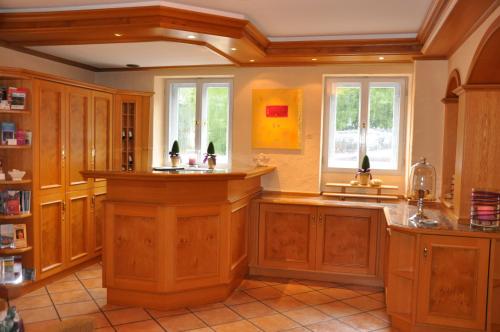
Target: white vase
211 163
175 161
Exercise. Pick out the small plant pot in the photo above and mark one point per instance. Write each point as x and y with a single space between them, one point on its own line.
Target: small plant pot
211 163
364 178
175 161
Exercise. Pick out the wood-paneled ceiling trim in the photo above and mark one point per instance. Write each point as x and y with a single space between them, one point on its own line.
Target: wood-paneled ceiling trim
222 34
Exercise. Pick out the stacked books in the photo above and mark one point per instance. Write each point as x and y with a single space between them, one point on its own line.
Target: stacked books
12 98
13 202
485 208
13 236
11 136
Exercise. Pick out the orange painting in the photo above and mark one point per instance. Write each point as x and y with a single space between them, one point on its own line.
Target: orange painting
277 119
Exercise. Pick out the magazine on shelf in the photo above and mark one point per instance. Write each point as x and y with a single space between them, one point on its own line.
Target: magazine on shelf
8 131
11 270
17 98
13 236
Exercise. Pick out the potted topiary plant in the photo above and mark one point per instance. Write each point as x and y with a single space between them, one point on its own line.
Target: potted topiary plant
175 159
364 172
210 156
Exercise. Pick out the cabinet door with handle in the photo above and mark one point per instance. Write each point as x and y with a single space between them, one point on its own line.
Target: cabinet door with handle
51 139
98 197
347 240
52 237
78 155
78 220
453 278
287 234
101 152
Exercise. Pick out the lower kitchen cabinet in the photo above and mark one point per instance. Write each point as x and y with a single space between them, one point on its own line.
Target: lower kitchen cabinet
438 281
318 239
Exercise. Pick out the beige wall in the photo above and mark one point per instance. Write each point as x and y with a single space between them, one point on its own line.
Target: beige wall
428 113
10 58
298 171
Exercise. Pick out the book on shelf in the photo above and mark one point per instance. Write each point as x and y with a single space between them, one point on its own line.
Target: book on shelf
13 236
11 270
4 101
8 132
14 202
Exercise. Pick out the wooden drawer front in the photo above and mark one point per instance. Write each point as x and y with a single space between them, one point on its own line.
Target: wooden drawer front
453 281
198 240
347 240
135 246
287 234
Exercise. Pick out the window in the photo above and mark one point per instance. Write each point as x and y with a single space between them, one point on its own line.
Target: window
364 116
199 112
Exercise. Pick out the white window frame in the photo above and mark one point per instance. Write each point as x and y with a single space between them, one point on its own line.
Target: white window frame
201 85
363 119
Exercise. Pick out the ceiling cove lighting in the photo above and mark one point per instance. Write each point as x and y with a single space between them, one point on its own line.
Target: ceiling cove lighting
252 60
314 59
234 49
191 37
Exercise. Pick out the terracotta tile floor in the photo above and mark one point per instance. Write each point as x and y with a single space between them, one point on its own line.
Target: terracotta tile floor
257 305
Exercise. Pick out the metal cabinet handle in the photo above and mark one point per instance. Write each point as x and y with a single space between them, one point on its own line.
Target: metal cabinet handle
426 252
313 218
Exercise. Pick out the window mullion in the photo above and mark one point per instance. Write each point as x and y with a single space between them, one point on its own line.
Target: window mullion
199 110
363 117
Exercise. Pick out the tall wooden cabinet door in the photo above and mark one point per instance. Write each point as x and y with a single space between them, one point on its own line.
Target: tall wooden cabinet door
287 235
453 278
347 240
97 225
78 124
77 221
51 139
52 234
102 131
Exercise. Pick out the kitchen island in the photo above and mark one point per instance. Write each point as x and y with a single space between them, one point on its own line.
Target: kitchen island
176 238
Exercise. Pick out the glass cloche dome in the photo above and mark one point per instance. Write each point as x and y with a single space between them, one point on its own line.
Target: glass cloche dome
422 187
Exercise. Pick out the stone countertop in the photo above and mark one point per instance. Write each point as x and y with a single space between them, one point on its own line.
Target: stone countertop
396 215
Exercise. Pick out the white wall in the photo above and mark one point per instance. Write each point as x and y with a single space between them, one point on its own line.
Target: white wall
10 58
298 171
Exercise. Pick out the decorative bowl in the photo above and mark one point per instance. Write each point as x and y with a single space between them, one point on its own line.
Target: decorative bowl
16 174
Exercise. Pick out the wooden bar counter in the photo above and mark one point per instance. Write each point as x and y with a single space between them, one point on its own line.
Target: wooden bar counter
176 239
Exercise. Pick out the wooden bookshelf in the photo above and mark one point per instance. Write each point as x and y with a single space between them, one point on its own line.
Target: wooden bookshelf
19 157
14 251
15 216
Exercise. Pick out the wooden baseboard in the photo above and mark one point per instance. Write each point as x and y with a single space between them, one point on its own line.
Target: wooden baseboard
171 301
9 292
368 280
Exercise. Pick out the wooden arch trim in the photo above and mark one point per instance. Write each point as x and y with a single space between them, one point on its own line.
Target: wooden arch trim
454 82
485 65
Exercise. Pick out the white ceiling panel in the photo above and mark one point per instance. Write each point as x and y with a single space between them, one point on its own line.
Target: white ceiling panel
147 54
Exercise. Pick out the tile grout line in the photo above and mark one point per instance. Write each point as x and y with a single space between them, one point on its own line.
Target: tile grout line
94 300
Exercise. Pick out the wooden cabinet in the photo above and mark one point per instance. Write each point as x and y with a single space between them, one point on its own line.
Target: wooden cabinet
52 234
131 123
78 139
438 282
347 240
77 218
97 219
101 130
453 278
320 239
287 235
51 136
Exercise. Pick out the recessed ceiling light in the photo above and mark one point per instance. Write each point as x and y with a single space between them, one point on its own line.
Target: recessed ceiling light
252 60
191 36
314 59
131 65
118 34
233 48
381 58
